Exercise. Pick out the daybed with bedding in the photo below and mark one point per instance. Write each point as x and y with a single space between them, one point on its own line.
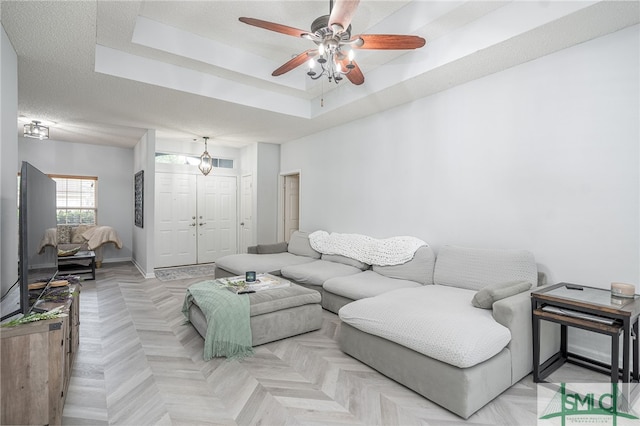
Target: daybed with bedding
72 238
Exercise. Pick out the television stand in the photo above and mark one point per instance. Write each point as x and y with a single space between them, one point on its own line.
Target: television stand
35 366
77 264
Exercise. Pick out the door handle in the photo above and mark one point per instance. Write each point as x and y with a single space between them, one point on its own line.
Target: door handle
192 224
241 223
203 223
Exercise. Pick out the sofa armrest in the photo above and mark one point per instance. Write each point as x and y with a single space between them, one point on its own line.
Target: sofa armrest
268 248
515 313
272 248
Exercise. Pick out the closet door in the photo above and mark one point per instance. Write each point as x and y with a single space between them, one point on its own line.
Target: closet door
175 220
217 217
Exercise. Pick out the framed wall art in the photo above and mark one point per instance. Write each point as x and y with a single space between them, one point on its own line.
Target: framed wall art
139 199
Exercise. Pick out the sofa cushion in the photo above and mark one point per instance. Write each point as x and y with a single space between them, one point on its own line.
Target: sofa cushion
238 264
436 321
485 297
299 245
346 260
473 268
418 269
317 272
271 248
365 284
264 302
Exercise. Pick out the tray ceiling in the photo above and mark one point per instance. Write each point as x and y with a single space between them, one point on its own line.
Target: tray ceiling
106 71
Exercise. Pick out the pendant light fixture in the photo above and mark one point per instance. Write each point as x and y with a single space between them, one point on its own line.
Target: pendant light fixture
206 162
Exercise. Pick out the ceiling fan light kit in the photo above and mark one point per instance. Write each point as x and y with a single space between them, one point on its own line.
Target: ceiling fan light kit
330 65
331 33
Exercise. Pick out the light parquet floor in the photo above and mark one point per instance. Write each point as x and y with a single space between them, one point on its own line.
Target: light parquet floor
139 364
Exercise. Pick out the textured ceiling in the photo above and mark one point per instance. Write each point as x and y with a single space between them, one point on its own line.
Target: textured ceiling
106 71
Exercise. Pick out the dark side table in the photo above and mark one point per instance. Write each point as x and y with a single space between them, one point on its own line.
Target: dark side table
592 309
81 263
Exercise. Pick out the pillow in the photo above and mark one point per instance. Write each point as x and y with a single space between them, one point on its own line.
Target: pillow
63 234
345 261
272 248
299 245
485 297
76 233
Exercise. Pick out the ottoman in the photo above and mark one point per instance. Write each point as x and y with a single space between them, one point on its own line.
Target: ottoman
275 314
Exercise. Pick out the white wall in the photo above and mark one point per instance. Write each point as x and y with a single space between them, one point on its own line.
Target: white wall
144 238
114 168
9 164
268 169
543 156
262 161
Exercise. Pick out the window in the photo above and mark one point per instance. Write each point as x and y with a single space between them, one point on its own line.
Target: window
76 199
166 158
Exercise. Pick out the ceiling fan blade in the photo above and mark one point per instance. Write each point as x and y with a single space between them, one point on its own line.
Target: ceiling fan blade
355 75
295 62
388 42
272 26
342 14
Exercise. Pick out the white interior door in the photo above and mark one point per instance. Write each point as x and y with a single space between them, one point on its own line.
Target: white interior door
246 212
175 219
217 217
291 205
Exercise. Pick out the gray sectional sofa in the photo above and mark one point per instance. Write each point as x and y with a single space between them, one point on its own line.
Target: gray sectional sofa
455 328
339 279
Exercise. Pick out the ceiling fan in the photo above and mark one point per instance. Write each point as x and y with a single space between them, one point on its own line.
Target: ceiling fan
332 34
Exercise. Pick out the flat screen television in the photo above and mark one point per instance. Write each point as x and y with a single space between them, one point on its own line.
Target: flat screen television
37 241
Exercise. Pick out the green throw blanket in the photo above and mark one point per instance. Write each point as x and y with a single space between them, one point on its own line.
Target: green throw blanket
227 313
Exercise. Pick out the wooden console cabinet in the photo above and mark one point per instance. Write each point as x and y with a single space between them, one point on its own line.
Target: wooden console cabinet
35 364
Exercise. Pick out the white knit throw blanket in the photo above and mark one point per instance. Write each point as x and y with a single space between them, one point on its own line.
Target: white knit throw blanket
382 252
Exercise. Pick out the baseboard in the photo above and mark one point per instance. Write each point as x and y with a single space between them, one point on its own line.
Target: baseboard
142 271
117 259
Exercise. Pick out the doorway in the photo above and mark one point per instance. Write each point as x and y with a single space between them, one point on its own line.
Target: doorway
195 218
246 212
291 208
